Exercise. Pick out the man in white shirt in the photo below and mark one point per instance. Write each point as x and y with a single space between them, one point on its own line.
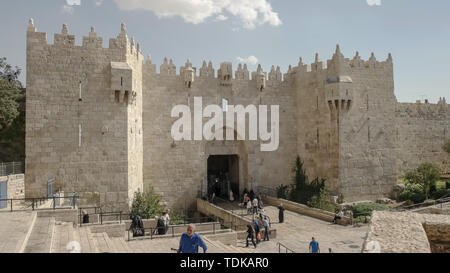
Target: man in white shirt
167 220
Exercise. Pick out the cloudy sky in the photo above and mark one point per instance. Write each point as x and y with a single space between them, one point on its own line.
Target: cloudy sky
269 32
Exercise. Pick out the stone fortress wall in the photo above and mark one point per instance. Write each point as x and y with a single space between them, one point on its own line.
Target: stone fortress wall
342 119
84 117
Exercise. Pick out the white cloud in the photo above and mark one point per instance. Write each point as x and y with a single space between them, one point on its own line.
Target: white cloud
249 60
67 9
73 2
221 17
374 2
250 12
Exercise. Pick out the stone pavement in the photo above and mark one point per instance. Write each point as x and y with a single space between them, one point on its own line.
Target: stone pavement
297 230
13 230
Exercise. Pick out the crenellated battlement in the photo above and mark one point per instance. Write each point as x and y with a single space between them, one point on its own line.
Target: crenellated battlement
38 40
339 62
422 110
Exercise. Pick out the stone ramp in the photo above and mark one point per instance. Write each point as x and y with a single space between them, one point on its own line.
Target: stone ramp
40 240
219 247
15 229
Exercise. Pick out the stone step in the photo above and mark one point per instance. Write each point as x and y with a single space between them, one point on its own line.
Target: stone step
120 245
62 236
86 240
40 240
103 243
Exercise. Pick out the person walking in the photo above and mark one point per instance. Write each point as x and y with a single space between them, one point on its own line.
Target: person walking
250 236
249 207
281 213
255 206
257 231
167 220
266 229
190 241
314 246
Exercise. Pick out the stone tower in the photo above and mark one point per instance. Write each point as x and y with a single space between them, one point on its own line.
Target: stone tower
84 117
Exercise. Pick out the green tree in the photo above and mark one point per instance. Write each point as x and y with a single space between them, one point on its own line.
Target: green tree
11 94
302 190
147 204
323 201
426 175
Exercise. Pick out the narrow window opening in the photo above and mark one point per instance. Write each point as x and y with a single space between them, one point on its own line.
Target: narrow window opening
121 81
126 96
80 86
117 96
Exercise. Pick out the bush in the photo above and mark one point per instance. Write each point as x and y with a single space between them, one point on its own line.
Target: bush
414 193
147 204
302 191
426 175
440 193
323 201
282 191
367 208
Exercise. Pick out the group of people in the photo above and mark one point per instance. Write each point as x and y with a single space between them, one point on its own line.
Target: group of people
162 224
254 204
255 231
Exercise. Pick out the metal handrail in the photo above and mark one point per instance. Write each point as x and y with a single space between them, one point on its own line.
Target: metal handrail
34 201
172 227
426 203
287 249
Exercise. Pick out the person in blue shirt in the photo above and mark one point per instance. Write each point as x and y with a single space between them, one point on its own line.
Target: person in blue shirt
314 246
190 241
257 230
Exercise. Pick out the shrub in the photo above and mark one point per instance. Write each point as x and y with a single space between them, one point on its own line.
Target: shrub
302 190
414 193
426 175
323 201
147 204
367 208
440 193
282 191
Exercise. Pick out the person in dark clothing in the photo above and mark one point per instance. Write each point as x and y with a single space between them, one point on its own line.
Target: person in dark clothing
281 213
257 230
85 217
137 226
250 236
160 227
266 229
251 195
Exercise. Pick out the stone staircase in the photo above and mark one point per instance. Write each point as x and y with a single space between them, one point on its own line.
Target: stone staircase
219 247
40 240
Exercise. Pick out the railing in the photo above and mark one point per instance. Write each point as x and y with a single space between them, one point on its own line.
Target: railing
152 230
11 168
287 250
34 203
440 201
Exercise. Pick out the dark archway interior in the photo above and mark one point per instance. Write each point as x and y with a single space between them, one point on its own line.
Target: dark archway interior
223 175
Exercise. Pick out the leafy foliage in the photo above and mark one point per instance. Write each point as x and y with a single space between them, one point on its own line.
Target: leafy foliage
413 193
147 204
12 114
283 191
367 208
426 175
323 201
302 190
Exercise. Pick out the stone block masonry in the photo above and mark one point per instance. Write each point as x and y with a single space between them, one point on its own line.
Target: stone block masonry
99 121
